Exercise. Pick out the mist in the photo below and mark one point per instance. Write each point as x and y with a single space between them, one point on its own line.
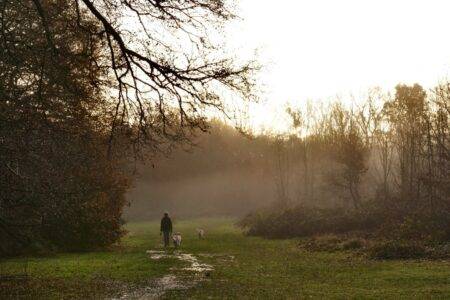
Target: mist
231 193
224 174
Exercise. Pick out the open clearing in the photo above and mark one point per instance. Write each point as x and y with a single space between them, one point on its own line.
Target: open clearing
224 265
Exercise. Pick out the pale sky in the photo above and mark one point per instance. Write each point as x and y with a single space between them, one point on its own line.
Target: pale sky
316 49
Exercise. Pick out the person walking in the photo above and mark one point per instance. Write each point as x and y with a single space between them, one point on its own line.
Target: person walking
166 229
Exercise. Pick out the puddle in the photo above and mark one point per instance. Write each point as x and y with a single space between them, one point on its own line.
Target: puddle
154 290
194 264
157 288
154 254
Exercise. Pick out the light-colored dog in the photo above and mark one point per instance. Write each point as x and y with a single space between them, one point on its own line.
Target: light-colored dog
176 238
201 233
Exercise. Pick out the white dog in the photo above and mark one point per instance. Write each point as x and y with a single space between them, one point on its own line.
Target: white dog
201 233
176 240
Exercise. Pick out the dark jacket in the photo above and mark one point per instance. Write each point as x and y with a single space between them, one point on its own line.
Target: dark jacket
166 224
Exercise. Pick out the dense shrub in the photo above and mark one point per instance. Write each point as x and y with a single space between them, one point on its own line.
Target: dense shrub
430 227
403 236
328 243
302 221
353 244
396 249
332 243
439 251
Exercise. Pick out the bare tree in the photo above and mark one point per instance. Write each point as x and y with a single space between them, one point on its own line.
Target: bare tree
166 60
405 115
438 138
282 169
303 123
347 147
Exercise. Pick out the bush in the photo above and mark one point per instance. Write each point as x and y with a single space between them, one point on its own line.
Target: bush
397 250
430 227
405 235
440 251
332 243
353 244
302 221
329 243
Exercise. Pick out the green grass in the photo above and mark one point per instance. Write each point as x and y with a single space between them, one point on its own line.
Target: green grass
262 268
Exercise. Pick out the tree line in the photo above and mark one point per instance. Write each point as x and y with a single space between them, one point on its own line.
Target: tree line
386 151
379 165
392 148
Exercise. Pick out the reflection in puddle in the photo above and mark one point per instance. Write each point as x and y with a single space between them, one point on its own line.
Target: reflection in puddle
155 289
194 264
154 254
159 287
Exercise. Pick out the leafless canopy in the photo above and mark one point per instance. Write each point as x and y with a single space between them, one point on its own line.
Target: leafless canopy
165 62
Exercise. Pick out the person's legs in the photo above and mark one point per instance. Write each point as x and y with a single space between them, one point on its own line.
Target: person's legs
166 238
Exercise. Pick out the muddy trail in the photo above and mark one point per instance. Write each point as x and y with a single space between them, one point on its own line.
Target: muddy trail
185 277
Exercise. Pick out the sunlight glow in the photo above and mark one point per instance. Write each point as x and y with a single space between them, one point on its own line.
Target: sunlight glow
318 49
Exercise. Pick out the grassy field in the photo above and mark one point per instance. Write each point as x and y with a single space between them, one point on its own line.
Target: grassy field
244 267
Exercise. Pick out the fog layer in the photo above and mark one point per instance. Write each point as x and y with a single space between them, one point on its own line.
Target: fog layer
226 174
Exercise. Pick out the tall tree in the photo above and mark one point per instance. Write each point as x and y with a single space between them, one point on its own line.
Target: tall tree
405 114
56 184
348 148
